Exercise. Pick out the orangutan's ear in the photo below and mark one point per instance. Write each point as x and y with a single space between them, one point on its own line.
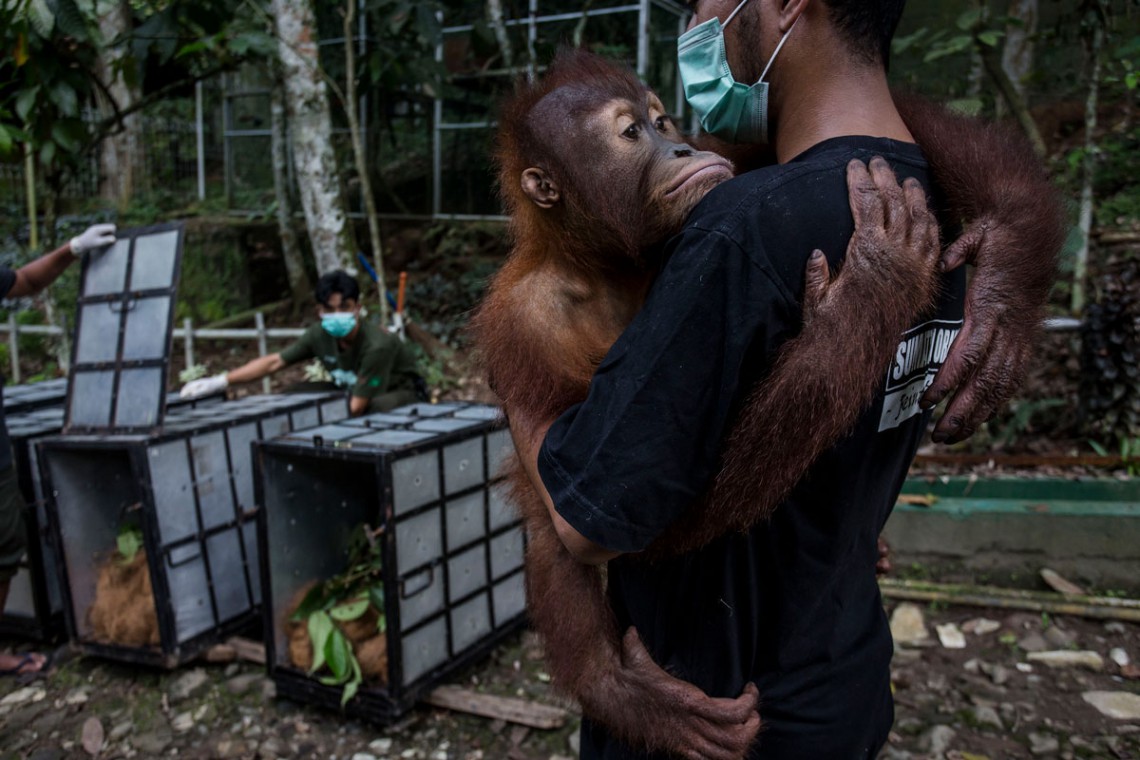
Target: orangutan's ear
540 188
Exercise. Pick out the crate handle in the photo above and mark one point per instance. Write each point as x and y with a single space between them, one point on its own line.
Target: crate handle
429 573
194 553
119 307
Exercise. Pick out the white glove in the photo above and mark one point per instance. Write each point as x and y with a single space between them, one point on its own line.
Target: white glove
95 236
205 386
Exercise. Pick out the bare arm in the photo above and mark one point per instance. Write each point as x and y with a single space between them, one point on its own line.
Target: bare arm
256 369
528 437
1014 228
37 275
33 277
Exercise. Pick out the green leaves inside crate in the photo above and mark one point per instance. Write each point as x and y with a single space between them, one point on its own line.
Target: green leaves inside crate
342 599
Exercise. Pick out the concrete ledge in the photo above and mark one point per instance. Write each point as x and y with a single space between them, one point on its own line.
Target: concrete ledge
1087 530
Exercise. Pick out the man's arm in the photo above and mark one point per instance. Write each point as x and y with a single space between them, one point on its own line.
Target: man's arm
528 438
256 369
33 277
1014 228
252 370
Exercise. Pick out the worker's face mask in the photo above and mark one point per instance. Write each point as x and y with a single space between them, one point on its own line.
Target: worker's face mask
727 109
338 323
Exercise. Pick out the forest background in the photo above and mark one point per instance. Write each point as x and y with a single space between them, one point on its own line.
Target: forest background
232 114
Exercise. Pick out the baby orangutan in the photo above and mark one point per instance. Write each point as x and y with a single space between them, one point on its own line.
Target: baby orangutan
596 177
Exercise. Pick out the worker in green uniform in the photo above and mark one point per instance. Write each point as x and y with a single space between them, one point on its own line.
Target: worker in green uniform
376 367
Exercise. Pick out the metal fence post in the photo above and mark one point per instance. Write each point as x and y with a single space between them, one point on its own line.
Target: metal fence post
188 329
262 345
14 346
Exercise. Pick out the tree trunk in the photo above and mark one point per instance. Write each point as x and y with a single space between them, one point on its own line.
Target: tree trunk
352 102
311 131
1017 57
1012 97
495 16
1088 169
299 285
120 154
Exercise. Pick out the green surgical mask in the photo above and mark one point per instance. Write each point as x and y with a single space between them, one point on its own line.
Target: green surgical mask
726 108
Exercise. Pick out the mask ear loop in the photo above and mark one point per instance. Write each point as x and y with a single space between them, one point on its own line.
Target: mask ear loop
732 15
784 39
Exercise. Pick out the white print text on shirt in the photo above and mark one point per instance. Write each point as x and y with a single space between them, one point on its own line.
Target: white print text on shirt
920 354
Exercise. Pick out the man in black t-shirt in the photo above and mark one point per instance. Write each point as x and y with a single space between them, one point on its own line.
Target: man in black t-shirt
793 605
19 283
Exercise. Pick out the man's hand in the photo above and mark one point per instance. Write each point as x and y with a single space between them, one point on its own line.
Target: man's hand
95 236
205 386
990 357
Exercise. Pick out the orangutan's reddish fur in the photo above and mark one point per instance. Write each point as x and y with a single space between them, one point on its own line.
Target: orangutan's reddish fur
552 312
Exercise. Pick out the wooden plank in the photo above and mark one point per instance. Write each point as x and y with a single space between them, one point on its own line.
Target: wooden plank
1104 608
520 711
247 649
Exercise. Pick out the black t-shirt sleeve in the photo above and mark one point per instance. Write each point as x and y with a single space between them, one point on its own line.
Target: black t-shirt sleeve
623 465
7 280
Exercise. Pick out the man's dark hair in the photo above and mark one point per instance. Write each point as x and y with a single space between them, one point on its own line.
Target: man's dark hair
337 281
868 26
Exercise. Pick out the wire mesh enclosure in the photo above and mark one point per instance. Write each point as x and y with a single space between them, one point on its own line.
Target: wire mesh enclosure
35 604
157 550
422 483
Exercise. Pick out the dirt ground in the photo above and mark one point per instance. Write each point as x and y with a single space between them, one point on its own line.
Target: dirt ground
986 700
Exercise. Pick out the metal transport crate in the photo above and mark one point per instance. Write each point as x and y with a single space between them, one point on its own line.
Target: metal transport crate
19 399
34 609
425 480
35 605
189 490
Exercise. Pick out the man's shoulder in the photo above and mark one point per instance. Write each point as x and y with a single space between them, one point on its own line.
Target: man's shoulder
806 190
313 334
377 338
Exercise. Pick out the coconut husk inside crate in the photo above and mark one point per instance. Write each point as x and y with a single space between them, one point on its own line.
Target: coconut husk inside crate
123 611
368 645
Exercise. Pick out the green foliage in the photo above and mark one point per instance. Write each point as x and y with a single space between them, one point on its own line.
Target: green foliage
442 301
195 372
128 543
316 372
32 346
1129 453
404 56
43 84
1110 355
1019 421
433 369
344 598
51 73
214 273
